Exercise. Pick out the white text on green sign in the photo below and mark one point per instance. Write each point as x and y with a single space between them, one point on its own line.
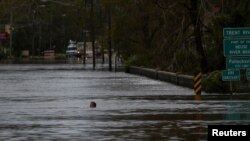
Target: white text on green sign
237 47
236 32
231 75
237 63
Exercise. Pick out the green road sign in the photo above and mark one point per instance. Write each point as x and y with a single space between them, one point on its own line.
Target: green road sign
238 63
231 75
236 32
237 47
248 75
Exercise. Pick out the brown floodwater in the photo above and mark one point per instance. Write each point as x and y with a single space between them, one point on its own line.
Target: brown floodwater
51 102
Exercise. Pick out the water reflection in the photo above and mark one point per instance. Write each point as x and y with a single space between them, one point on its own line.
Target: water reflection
74 60
42 103
237 111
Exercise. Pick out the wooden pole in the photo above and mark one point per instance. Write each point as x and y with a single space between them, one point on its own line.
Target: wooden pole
93 33
109 38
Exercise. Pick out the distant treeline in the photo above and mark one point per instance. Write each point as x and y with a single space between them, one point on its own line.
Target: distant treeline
174 35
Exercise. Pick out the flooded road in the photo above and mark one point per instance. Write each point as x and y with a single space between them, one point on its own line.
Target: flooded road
51 102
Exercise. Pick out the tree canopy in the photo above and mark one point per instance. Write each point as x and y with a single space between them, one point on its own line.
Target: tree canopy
174 35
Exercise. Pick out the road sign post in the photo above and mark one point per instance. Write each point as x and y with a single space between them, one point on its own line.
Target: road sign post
238 63
236 32
248 75
231 75
236 47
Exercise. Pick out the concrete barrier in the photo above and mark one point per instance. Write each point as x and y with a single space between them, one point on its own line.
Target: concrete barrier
186 81
175 78
168 77
178 78
134 70
151 73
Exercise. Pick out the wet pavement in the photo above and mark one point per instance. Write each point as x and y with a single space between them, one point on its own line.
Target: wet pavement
51 102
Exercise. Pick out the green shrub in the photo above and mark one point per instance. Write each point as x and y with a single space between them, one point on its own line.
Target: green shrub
214 84
60 56
129 62
37 58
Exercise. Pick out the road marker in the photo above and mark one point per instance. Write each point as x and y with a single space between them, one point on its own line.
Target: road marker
197 83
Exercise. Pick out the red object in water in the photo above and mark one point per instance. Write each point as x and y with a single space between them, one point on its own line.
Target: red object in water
4 36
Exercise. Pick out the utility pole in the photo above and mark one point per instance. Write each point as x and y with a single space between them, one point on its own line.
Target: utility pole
102 52
33 30
84 47
11 29
93 32
109 38
195 19
85 36
40 37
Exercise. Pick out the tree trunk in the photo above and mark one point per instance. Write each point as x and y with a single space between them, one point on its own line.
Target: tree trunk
195 17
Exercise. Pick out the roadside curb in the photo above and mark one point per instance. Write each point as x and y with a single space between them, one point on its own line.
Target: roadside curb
175 78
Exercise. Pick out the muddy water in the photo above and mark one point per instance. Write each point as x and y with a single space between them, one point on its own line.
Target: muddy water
51 102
